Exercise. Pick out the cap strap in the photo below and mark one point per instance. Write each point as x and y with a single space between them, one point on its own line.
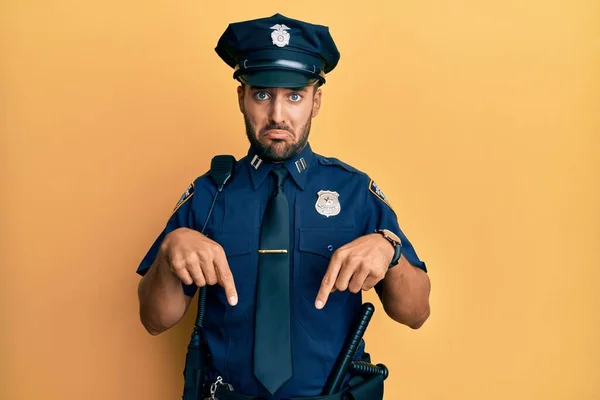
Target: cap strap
248 65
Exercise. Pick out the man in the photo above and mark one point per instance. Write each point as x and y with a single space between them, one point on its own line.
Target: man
292 239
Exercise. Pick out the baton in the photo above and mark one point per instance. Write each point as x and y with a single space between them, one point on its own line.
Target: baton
367 369
349 351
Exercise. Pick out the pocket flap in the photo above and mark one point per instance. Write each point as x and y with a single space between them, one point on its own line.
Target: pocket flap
324 242
234 243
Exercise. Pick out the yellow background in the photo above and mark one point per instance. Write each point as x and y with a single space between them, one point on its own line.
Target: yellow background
478 119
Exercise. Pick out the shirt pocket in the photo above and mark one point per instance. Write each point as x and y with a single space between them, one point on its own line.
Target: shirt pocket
316 246
243 265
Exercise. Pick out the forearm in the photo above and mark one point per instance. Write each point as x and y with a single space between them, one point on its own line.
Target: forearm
161 298
405 294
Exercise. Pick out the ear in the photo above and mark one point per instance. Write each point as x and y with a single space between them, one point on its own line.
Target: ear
240 92
317 101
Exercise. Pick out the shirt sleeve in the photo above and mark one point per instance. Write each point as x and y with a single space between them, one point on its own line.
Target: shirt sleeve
181 216
381 215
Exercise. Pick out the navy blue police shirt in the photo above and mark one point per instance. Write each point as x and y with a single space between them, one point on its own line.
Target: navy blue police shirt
331 204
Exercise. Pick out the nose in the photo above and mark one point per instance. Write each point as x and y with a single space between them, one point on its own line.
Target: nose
276 114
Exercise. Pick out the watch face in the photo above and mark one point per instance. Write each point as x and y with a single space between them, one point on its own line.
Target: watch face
392 235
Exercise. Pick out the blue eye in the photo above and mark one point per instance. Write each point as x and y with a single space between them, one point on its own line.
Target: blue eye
261 95
295 97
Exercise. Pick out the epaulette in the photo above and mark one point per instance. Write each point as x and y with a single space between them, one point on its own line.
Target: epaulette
336 162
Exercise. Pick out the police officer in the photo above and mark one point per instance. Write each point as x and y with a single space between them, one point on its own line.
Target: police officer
286 247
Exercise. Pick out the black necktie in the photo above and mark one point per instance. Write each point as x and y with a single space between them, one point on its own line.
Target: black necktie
272 340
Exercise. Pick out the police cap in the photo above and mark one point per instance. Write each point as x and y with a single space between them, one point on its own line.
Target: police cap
278 51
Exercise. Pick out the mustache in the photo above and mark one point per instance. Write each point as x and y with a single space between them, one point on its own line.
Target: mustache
276 127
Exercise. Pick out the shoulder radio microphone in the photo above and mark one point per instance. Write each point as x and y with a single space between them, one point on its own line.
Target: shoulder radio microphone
221 170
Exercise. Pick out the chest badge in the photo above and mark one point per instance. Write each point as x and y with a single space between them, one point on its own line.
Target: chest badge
328 203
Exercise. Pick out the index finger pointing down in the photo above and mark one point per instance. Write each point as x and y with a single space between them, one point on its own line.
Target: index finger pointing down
225 278
328 281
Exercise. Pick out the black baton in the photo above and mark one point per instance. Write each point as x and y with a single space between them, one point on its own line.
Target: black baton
349 351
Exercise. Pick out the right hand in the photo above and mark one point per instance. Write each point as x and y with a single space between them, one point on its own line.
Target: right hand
194 258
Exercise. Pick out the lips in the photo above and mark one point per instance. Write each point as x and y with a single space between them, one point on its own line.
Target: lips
277 134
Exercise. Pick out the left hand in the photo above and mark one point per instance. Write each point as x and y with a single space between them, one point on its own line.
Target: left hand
356 266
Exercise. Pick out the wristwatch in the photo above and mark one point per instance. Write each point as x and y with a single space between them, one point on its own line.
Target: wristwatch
395 241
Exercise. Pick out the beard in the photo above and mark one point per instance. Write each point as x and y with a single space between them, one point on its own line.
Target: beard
278 150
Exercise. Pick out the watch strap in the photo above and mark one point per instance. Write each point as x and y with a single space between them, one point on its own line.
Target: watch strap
395 243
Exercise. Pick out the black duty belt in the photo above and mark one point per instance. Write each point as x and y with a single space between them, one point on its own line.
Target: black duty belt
357 388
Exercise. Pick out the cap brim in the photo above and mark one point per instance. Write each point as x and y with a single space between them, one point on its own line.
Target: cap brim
278 78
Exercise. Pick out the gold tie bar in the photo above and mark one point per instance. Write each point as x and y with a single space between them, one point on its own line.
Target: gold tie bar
272 251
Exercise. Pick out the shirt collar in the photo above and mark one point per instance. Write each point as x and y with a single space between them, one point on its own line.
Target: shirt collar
297 167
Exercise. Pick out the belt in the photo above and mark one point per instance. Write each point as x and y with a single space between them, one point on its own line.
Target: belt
357 388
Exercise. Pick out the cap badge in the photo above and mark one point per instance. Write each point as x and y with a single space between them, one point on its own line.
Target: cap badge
280 36
328 203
